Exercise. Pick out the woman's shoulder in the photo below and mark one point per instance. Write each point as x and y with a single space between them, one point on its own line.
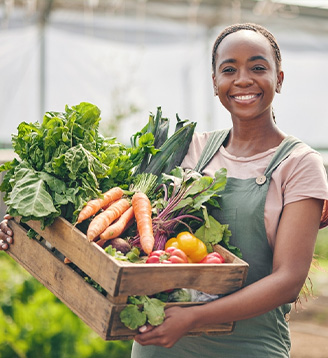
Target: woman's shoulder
305 154
303 174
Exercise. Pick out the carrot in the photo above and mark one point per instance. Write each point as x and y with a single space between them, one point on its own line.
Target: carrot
119 226
142 211
100 222
93 206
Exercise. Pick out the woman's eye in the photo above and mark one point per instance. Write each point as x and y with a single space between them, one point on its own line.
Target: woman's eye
259 68
228 70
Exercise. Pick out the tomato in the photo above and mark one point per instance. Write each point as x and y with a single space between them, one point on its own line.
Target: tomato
171 255
193 247
176 255
213 258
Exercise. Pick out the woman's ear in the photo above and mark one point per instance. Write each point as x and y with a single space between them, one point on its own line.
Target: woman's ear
280 80
215 88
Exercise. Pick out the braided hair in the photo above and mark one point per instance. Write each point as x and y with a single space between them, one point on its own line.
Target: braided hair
247 26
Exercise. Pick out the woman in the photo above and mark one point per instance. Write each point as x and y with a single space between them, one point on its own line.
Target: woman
273 203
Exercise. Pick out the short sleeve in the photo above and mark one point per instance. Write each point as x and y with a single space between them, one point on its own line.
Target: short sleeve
196 147
307 180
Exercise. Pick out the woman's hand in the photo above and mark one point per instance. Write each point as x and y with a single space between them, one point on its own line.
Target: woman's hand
6 234
178 321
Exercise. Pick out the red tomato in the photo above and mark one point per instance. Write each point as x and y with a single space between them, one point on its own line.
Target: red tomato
176 255
171 255
213 258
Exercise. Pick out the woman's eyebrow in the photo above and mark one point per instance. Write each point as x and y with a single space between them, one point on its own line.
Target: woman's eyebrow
258 57
228 60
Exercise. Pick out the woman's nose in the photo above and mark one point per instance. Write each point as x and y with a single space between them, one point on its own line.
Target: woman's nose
243 79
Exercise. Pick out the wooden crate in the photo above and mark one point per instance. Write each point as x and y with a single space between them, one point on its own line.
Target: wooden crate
119 278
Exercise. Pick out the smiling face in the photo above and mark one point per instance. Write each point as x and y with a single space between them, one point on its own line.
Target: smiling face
246 75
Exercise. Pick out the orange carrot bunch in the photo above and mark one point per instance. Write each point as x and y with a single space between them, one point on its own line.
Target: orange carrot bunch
102 221
117 213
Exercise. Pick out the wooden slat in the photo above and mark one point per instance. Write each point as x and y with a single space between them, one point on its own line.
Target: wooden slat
88 256
85 301
213 279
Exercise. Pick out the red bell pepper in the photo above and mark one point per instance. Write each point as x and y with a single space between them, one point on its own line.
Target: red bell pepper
213 258
171 255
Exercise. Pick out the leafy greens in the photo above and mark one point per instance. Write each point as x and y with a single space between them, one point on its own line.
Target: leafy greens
64 162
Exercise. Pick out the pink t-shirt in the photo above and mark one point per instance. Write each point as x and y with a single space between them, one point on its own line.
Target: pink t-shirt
302 175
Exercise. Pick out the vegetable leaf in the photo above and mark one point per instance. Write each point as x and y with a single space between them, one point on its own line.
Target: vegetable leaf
68 163
142 309
154 309
30 195
212 233
133 317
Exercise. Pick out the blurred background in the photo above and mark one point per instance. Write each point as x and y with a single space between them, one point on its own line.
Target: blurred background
129 57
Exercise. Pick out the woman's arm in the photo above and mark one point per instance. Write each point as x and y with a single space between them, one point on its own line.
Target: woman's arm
293 254
5 233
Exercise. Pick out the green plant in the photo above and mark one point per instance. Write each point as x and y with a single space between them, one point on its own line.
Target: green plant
321 247
35 324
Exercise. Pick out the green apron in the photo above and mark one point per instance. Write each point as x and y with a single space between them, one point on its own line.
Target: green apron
242 203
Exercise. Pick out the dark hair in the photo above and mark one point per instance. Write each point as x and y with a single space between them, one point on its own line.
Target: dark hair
247 26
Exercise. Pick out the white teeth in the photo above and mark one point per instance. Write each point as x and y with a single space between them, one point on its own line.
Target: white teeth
244 98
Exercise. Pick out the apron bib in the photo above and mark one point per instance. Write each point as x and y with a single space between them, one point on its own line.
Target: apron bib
242 203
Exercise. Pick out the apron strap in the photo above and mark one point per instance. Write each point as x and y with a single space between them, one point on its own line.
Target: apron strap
212 145
282 152
216 139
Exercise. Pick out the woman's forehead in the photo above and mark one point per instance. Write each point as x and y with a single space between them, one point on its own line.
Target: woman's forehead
244 40
245 37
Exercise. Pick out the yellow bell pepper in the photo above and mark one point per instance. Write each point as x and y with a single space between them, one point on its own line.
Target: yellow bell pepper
193 247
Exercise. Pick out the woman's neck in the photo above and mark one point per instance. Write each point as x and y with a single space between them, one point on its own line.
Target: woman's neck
247 139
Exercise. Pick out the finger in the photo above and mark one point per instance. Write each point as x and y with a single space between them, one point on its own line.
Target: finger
149 335
6 240
5 228
146 328
3 245
9 240
8 217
